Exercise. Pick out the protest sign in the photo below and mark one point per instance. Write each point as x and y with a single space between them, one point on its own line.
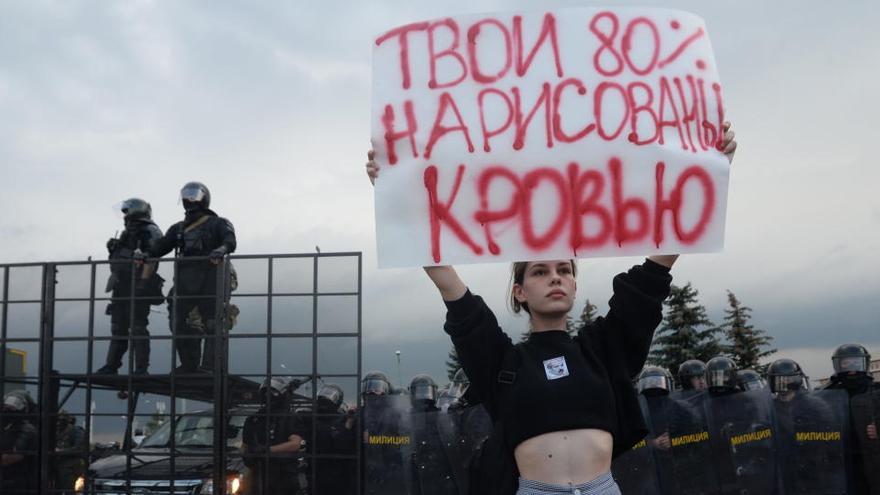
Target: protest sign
573 133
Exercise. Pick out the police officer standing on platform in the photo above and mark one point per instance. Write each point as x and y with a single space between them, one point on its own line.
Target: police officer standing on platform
201 233
18 445
127 314
851 364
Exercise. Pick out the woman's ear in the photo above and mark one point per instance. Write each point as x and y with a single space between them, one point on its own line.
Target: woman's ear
518 293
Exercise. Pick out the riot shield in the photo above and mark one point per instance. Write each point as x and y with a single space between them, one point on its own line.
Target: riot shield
385 444
464 429
434 457
636 471
810 430
691 452
865 410
741 436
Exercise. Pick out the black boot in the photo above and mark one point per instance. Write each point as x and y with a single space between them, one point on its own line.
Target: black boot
188 353
141 348
115 352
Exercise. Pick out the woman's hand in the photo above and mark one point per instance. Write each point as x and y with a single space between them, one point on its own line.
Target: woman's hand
373 167
728 143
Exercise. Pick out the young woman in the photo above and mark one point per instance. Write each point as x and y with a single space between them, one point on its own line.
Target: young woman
566 404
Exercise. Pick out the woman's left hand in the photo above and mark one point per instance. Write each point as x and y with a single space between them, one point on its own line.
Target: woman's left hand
728 143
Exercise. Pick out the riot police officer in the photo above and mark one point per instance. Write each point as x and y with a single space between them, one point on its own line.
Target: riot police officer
655 384
18 445
273 440
851 364
434 454
721 376
807 467
383 438
127 314
692 375
72 444
335 435
749 380
201 233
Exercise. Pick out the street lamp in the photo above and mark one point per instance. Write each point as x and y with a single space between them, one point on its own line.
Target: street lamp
399 376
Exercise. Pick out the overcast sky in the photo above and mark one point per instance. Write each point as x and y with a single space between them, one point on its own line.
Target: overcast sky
268 104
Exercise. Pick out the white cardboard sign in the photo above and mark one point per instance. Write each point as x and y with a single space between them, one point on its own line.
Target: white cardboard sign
572 133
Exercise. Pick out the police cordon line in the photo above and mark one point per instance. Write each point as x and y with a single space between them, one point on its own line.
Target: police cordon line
723 430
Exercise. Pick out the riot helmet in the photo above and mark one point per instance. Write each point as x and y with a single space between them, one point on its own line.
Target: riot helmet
654 380
375 383
785 375
273 390
691 371
749 380
195 196
136 209
330 397
422 388
459 386
850 359
15 402
721 374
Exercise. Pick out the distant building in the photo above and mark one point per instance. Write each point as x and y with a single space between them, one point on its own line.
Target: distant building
15 366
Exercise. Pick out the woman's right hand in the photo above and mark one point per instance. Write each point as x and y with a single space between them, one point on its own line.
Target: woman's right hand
372 167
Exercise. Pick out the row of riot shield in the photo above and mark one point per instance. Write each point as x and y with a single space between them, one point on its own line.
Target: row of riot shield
742 443
419 451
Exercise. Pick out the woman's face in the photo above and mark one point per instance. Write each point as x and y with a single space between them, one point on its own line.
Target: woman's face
548 287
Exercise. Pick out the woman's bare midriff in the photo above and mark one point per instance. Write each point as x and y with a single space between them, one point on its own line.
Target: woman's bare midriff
563 457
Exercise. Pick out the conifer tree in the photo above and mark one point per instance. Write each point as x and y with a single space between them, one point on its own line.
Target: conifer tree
686 331
745 343
588 315
452 364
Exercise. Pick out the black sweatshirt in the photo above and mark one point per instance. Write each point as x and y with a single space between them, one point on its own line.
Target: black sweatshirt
589 387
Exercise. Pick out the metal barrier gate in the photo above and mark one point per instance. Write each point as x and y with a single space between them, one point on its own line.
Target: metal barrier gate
296 317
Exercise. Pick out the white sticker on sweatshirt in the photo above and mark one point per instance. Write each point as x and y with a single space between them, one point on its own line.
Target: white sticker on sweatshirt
555 368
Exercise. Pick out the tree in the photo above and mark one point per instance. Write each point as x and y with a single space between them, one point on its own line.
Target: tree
686 331
588 315
746 344
452 364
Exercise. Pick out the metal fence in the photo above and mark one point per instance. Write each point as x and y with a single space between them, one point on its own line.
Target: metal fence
292 316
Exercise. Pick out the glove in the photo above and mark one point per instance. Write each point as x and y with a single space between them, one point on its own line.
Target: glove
217 254
111 244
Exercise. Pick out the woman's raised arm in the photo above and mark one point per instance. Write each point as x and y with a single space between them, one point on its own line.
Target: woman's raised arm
444 277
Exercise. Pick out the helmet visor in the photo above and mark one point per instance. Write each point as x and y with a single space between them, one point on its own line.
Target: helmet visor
14 403
753 384
424 392
653 382
779 384
851 364
457 390
192 193
719 378
376 387
330 394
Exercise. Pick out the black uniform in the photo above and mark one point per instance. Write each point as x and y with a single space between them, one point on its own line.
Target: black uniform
273 474
201 233
126 313
384 443
19 437
434 455
335 476
72 441
864 407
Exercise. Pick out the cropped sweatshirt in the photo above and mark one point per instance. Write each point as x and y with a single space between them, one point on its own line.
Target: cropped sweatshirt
559 382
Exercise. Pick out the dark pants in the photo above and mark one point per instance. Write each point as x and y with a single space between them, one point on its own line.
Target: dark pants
197 289
122 321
